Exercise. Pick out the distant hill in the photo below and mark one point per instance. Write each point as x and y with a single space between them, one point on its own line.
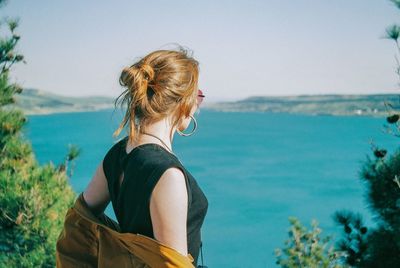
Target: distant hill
34 101
372 105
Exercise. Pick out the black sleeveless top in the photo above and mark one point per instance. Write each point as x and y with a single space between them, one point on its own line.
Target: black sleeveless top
142 168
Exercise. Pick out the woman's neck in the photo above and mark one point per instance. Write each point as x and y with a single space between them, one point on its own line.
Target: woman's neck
161 130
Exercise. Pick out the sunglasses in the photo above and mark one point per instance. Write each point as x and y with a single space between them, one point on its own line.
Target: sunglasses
200 97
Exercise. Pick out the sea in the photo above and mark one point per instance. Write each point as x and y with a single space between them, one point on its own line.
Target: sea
256 169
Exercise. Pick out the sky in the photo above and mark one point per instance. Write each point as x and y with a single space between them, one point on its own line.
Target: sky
245 48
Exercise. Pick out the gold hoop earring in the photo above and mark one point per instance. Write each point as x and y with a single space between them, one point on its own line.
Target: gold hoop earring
191 133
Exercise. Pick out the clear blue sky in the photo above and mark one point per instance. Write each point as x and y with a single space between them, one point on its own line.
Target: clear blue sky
245 48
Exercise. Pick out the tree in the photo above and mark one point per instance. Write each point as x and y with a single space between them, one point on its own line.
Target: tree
33 198
379 246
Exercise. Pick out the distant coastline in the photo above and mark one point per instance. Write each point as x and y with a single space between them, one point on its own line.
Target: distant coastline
34 101
332 104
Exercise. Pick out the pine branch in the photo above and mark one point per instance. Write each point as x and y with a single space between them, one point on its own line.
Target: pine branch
396 180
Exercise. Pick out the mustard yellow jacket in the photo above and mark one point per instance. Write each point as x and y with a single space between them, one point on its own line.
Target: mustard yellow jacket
90 241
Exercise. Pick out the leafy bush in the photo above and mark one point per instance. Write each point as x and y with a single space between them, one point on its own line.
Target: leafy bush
306 248
33 198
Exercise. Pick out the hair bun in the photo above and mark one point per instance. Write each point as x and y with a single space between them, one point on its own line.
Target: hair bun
147 71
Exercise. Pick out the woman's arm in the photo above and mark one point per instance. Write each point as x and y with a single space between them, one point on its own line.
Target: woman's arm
168 210
96 194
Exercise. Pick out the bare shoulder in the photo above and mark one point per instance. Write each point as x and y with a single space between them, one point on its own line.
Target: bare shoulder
171 187
173 175
168 209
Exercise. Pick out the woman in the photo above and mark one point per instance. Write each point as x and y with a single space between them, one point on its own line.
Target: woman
150 190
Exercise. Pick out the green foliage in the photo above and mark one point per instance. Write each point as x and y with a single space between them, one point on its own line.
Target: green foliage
306 248
355 240
380 246
393 32
33 198
396 2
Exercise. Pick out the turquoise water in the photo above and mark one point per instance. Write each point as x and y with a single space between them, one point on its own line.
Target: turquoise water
256 169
